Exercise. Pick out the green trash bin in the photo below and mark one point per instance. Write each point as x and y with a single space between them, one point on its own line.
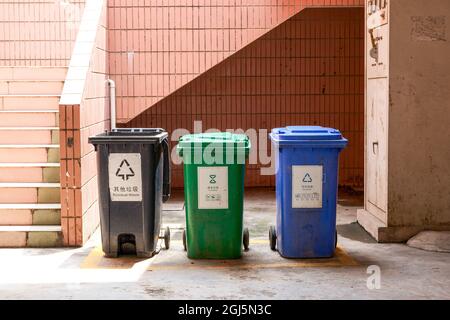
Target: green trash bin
214 170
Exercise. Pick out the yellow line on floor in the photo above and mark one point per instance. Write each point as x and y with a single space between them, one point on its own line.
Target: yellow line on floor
253 266
96 260
93 259
254 241
259 241
96 256
341 259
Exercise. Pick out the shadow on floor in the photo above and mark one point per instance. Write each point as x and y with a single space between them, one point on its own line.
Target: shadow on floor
355 232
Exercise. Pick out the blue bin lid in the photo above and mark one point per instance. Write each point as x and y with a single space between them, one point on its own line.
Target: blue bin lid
309 135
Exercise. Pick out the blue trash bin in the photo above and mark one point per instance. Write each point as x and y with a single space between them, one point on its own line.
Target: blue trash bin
306 190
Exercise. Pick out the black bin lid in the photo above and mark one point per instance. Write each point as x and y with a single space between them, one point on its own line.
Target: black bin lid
130 135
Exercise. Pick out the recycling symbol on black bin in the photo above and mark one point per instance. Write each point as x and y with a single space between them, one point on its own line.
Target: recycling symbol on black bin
124 171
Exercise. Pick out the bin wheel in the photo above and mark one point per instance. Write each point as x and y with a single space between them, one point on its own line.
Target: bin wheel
246 239
335 239
184 240
167 238
272 238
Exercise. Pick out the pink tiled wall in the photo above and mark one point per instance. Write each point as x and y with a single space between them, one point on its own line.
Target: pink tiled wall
79 192
157 46
308 71
38 32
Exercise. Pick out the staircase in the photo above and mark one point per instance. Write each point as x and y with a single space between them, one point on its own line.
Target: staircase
30 209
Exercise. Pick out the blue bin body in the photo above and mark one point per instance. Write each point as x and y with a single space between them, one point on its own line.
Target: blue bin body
306 189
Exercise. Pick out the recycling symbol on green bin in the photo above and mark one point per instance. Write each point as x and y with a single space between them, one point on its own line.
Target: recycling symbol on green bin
212 178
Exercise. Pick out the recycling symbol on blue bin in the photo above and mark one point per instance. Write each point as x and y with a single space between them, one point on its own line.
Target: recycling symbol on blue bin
307 178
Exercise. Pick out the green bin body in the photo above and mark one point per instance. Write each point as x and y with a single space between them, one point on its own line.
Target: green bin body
214 170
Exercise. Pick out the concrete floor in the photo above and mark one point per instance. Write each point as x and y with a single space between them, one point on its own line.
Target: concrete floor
83 273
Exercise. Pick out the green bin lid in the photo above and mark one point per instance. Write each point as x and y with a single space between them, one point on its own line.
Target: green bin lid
204 139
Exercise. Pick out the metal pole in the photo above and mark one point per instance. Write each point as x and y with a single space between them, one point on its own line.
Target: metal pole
112 97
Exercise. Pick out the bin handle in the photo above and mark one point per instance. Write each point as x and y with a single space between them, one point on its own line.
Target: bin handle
166 172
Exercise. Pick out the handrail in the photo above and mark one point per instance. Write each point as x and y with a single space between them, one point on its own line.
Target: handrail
75 82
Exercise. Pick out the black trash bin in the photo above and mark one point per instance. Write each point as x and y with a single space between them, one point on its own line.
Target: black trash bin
134 180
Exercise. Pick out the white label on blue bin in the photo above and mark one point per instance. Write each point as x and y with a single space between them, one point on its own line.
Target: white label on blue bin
307 187
125 178
212 187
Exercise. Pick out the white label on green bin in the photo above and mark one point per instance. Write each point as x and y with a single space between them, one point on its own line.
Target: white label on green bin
125 178
212 187
307 187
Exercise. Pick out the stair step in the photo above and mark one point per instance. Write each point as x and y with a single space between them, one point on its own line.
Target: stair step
29 118
30 111
28 146
29 153
29 135
28 128
30 217
33 73
31 206
25 87
30 214
31 95
30 228
29 192
30 236
35 174
29 185
30 165
29 101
